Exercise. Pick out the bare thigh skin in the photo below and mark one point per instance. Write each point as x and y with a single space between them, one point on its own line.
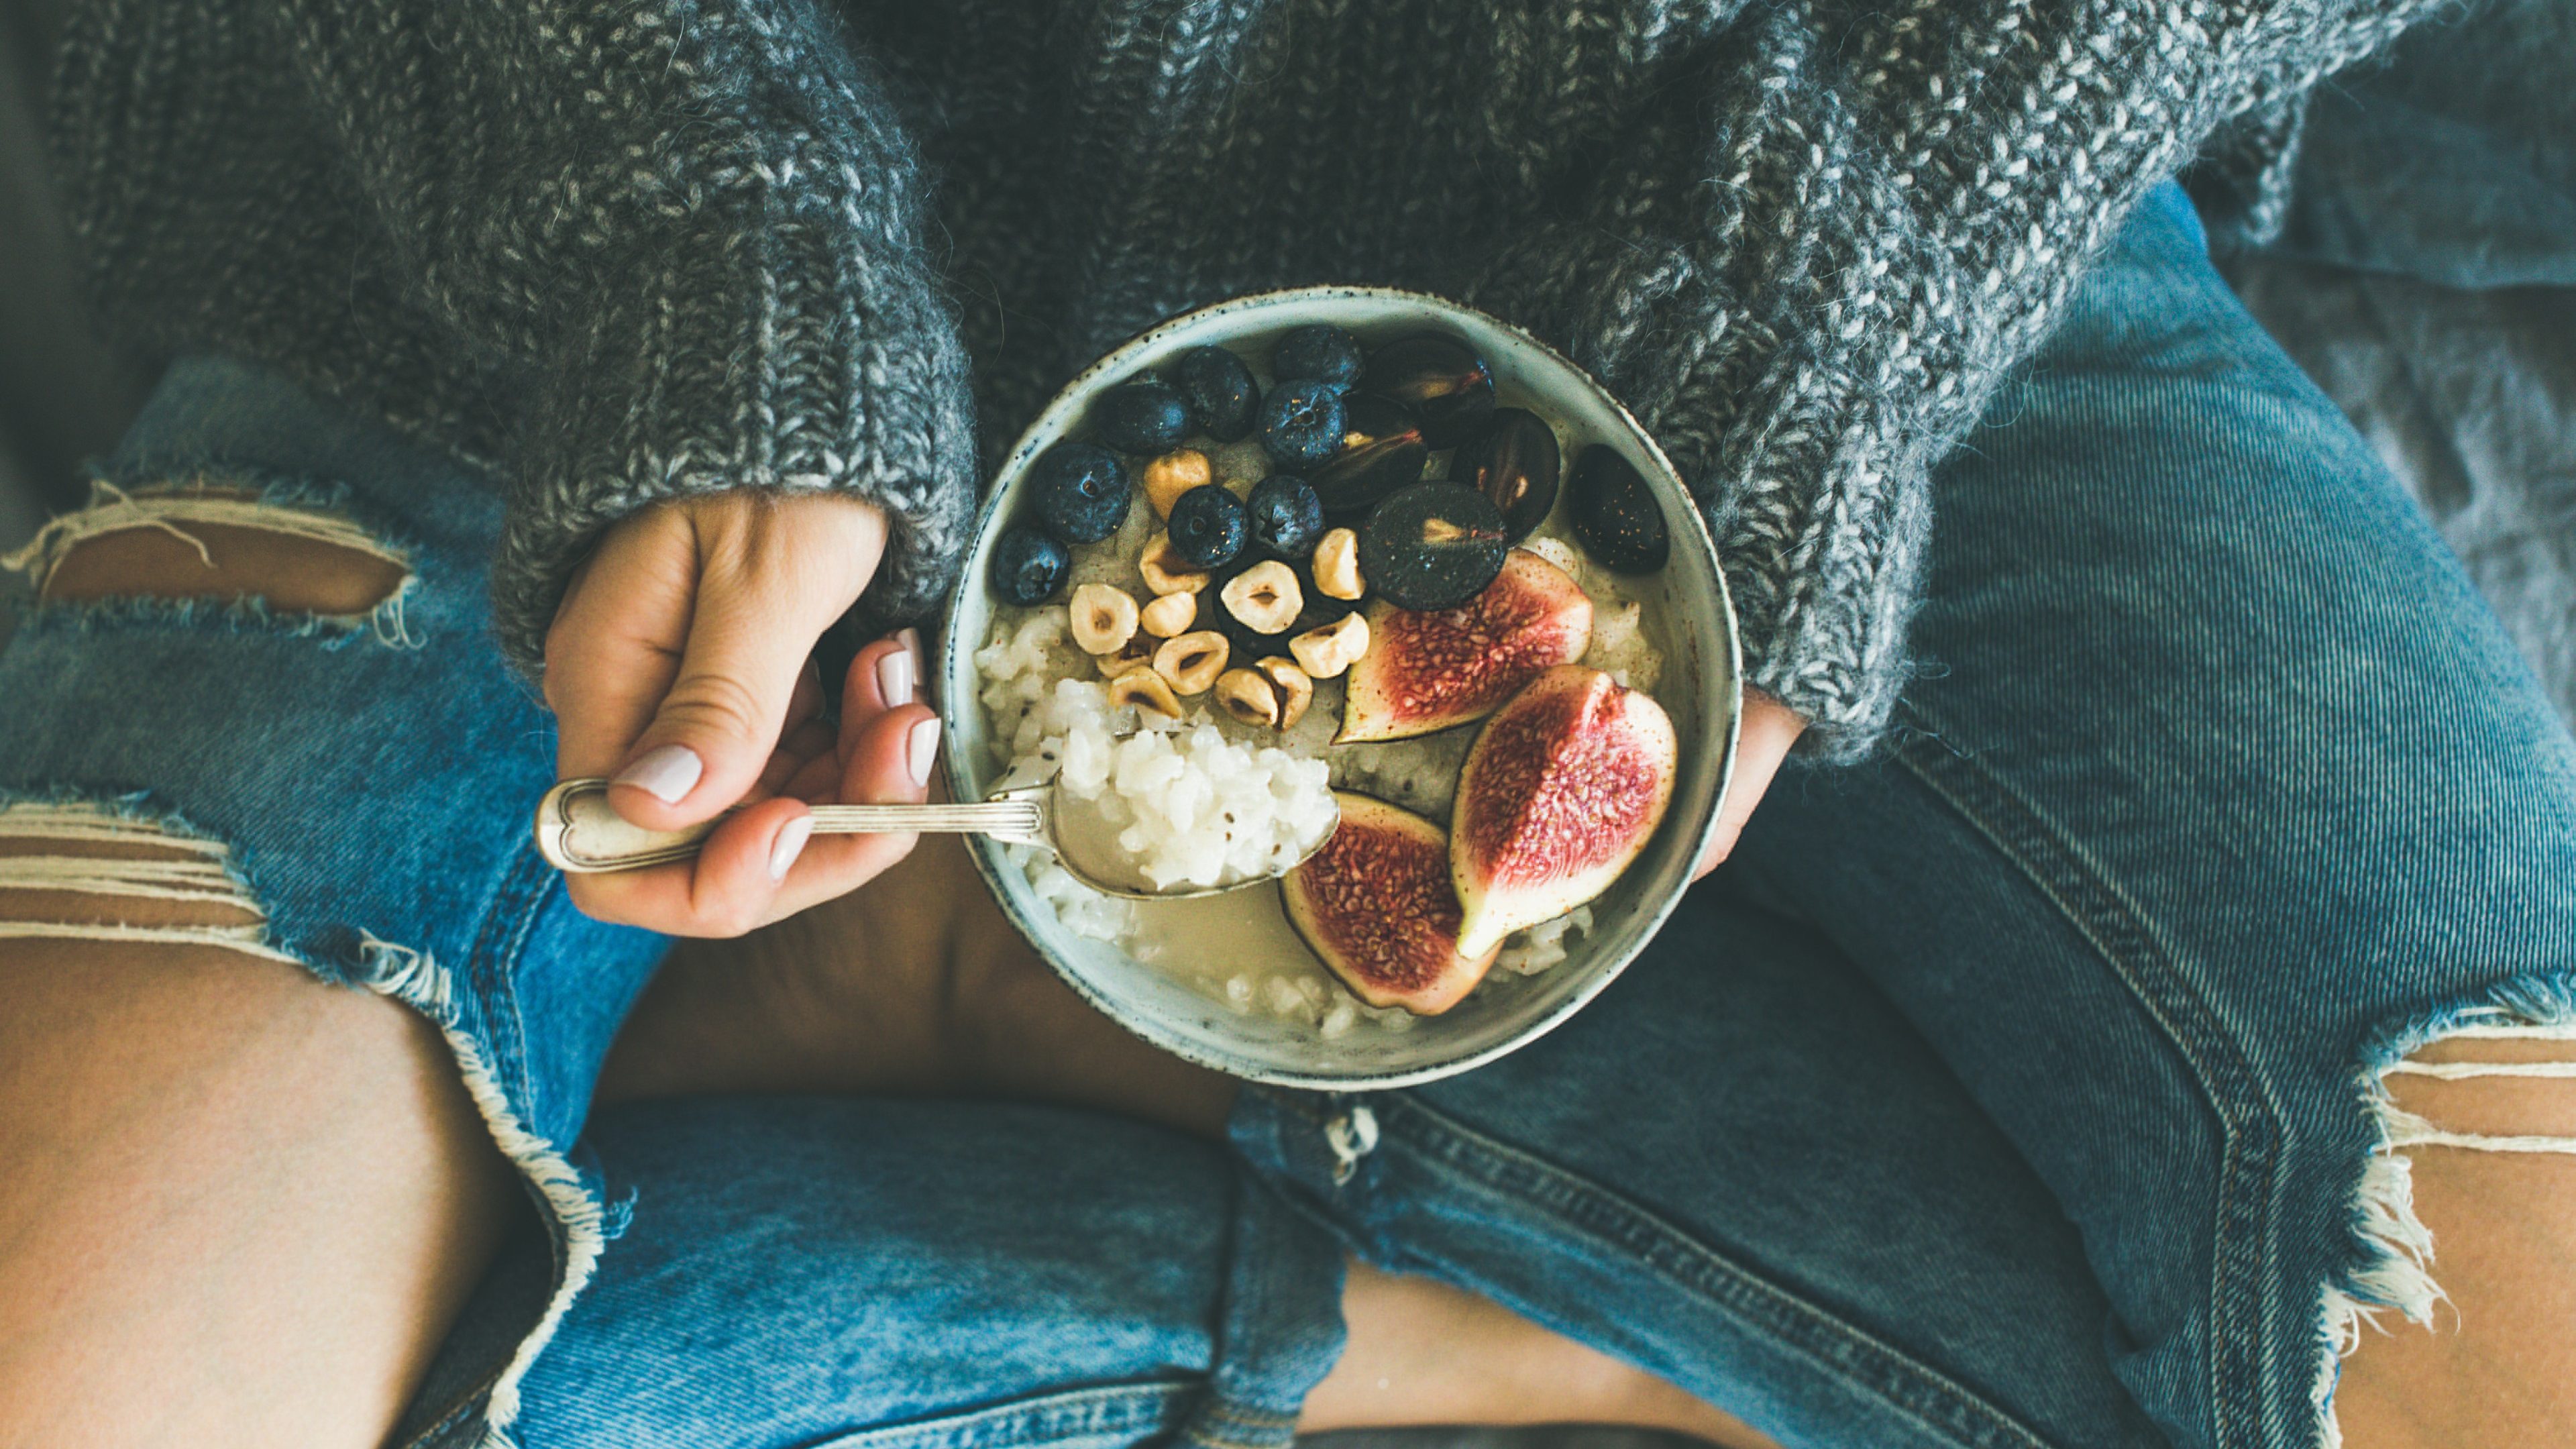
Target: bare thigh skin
237 1206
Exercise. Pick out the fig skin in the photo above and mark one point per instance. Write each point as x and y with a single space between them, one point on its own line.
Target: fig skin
1561 791
1376 907
1430 671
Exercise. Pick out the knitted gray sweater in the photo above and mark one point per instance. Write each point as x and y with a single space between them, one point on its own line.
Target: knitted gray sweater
617 253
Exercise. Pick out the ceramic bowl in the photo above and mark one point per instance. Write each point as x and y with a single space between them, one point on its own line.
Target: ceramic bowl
1699 688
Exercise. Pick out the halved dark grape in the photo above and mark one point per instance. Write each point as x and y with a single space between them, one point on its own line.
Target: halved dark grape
1432 546
1514 462
1440 378
1382 450
1614 513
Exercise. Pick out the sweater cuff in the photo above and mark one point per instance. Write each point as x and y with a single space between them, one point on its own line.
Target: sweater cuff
1815 491
810 369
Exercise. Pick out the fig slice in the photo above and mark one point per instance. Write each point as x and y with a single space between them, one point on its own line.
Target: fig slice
1431 670
1376 906
1562 789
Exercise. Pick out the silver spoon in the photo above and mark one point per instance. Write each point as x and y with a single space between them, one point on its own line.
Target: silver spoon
578 833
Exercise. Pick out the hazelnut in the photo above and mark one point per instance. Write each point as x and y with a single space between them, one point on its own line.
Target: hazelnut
1247 696
1324 653
1193 661
1337 564
1296 691
1164 571
1173 474
1146 690
1265 597
1104 618
1170 615
1136 653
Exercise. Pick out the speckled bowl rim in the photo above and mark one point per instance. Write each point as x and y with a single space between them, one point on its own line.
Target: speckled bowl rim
953 704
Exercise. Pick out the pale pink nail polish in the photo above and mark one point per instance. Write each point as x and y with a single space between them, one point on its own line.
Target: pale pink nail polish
789 845
921 750
666 773
895 677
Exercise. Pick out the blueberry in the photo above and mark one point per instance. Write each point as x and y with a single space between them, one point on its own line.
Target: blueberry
1079 491
1144 416
1301 422
1027 566
1321 351
1207 526
1614 513
1219 390
1433 546
1285 516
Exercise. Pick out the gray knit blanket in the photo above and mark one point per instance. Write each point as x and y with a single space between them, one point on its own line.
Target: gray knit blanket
615 253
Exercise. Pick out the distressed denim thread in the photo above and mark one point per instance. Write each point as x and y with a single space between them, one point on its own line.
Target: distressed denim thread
286 509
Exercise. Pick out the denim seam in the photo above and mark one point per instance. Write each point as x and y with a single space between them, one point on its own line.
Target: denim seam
2249 1121
1050 1419
1850 1353
461 1412
519 901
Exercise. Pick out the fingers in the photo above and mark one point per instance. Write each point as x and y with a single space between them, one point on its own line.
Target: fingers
887 762
678 660
1769 729
764 862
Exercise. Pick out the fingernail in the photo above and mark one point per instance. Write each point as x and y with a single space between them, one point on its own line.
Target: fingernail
895 677
666 773
790 844
911 641
920 749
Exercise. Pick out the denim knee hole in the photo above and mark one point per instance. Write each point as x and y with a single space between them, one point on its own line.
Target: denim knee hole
186 543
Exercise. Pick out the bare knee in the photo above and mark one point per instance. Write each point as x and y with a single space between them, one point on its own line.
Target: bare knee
2487 1127
200 542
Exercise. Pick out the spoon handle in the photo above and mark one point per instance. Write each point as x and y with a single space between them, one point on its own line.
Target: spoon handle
577 832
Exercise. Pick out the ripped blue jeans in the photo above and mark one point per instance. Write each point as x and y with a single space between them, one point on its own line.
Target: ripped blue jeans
2019 1087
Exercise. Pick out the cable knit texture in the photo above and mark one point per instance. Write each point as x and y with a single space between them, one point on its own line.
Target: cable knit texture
623 253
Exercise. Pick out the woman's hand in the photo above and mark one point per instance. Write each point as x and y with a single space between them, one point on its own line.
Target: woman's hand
1769 730
680 665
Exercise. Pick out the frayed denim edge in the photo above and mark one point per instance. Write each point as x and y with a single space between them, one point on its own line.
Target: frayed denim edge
247 615
386 622
416 979
2393 1248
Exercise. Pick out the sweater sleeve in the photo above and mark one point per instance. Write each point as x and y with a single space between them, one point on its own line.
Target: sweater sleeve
1810 267
690 230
